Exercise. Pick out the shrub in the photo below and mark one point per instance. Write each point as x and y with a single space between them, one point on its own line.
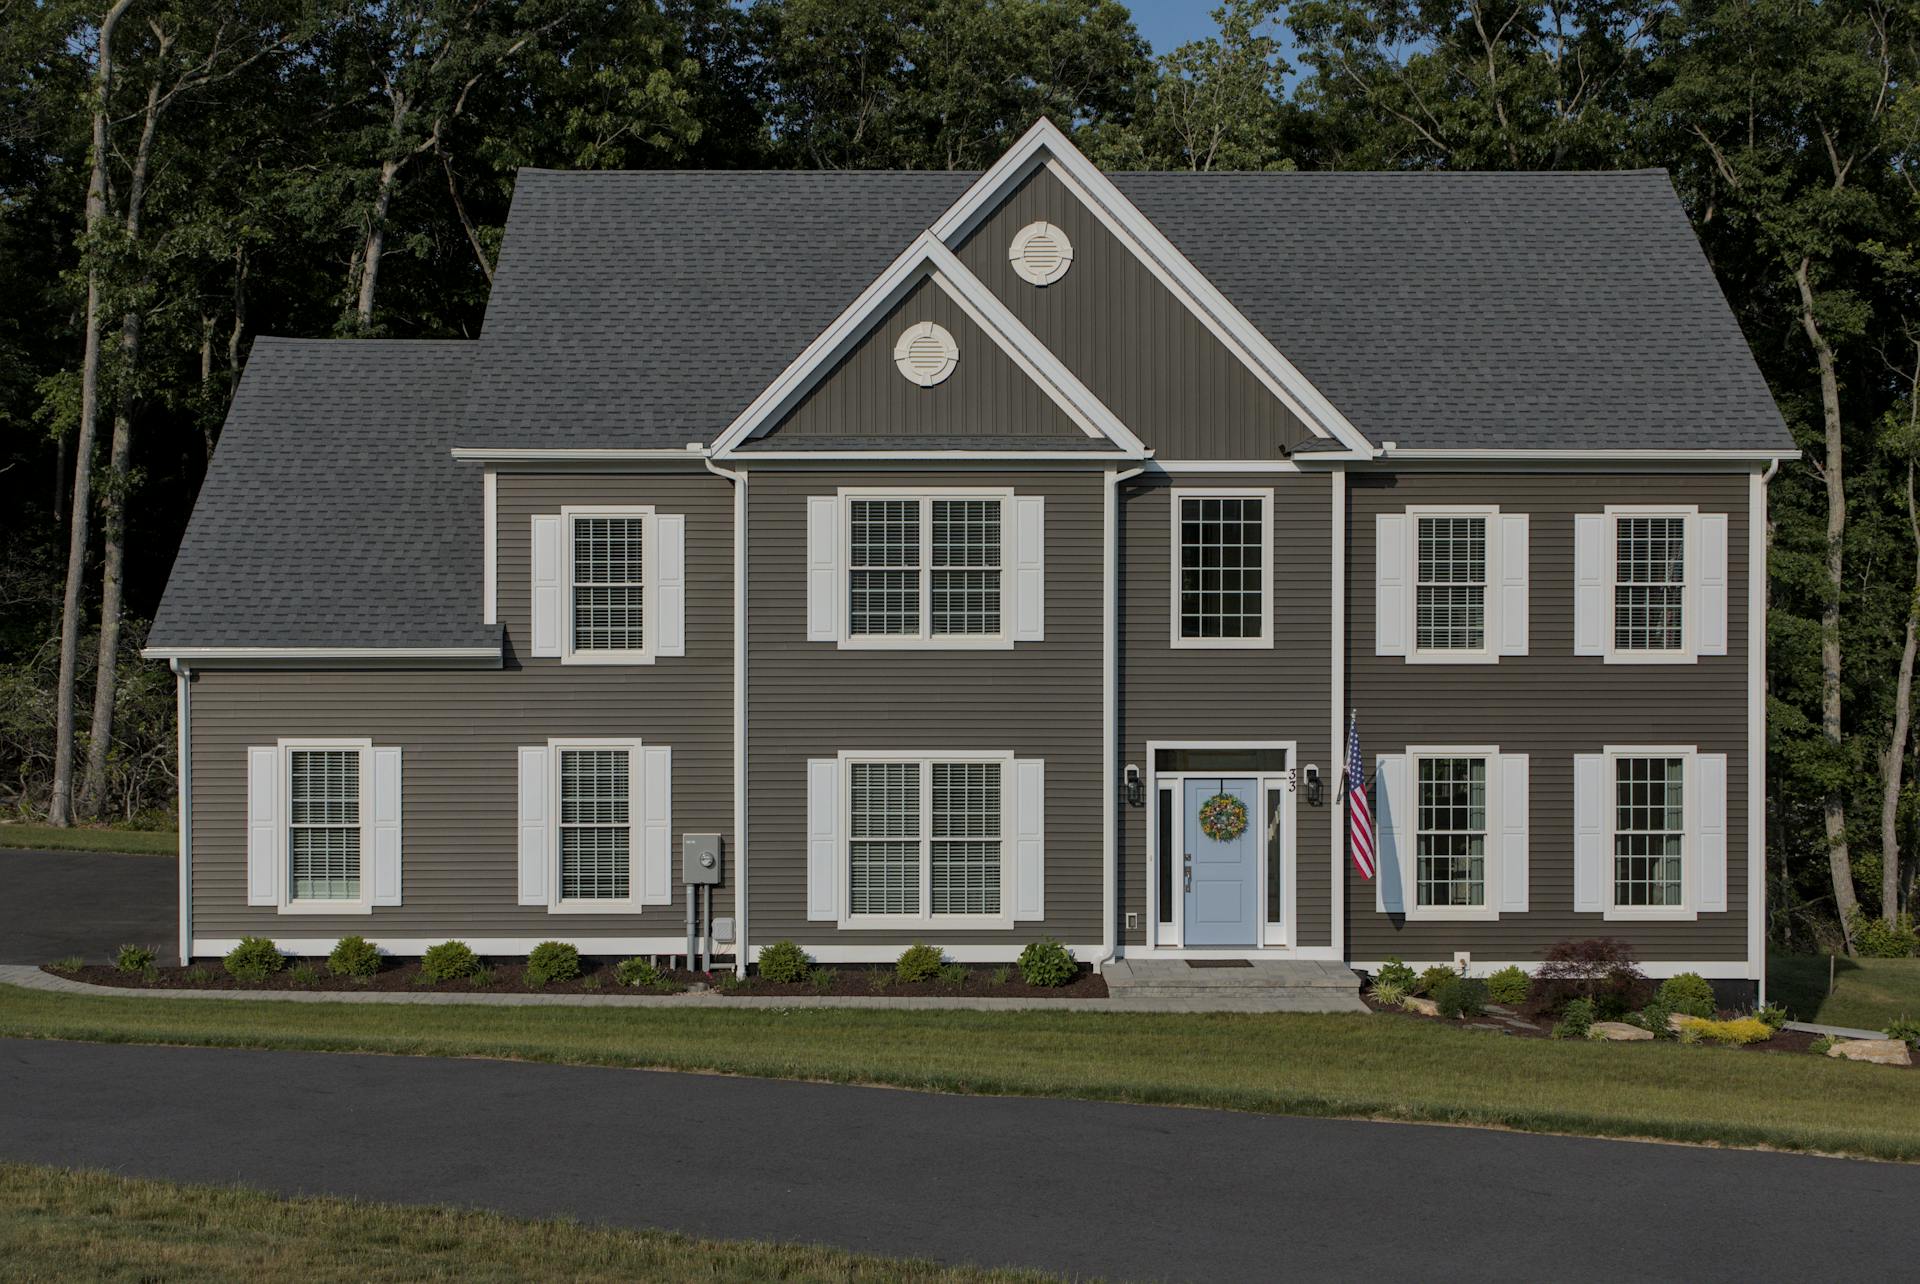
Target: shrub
1000 976
448 961
822 979
1654 1018
919 963
1509 985
552 961
784 962
1461 996
1821 1045
1047 963
1387 994
591 983
1774 1015
878 979
255 959
133 958
1689 993
1875 938
303 974
953 976
1394 972
71 963
482 977
1433 978
1591 969
640 974
1904 1028
353 956
1576 1020
1736 1031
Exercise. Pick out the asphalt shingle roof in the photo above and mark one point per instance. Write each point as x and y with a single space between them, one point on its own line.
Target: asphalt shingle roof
333 513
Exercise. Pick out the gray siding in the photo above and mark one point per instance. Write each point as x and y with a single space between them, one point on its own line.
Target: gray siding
458 731
1128 338
865 395
811 700
1551 704
1281 693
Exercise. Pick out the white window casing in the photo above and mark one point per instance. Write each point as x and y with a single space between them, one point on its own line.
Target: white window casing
1703 847
825 601
1178 636
1029 558
535 824
649 826
669 625
1503 584
549 594
1392 584
571 571
1029 840
823 840
1506 847
1703 596
1392 833
377 826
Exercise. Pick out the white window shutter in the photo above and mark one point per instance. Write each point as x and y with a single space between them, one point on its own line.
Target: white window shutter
535 824
1513 832
670 584
656 824
1392 629
384 823
1710 832
1710 584
549 600
823 839
1590 833
1511 529
263 825
1393 834
1029 568
1029 839
1590 584
824 607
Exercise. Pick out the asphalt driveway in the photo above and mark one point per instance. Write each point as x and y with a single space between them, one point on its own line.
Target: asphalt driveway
1076 1187
53 904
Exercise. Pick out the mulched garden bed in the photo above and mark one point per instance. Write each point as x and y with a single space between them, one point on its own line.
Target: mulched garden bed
596 977
986 981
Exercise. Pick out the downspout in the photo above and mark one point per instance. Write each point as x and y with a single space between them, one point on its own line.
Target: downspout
741 956
1109 699
182 680
1757 751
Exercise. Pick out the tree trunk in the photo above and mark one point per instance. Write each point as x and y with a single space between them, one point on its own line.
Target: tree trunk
1839 862
60 805
376 244
1893 762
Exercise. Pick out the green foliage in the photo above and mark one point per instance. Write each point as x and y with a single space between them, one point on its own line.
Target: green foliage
784 963
919 963
1047 963
1461 996
822 979
354 956
1394 972
879 979
71 963
1000 976
1822 1045
1433 978
481 978
1387 993
1906 1028
552 961
1773 1014
448 961
953 976
1509 985
1876 938
1576 1020
640 974
303 974
1732 1032
1655 1018
255 958
133 958
1688 993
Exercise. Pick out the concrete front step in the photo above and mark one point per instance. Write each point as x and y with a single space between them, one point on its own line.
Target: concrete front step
1277 999
1178 976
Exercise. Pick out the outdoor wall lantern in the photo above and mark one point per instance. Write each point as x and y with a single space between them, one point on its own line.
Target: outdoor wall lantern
1136 787
1314 788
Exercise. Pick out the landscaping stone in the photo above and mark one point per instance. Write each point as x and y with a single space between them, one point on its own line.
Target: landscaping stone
1619 1032
1881 1052
1677 1021
1425 1007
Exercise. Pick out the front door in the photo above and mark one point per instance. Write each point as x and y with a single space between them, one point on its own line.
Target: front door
1222 899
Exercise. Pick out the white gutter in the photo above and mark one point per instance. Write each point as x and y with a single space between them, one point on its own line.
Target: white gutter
741 955
581 454
1109 747
1397 454
183 778
320 653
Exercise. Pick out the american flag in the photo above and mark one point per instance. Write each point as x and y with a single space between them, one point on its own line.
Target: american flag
1359 810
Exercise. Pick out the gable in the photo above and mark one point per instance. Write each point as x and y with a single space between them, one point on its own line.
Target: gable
866 403
1124 334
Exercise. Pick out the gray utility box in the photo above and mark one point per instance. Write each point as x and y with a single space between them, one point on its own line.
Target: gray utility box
700 858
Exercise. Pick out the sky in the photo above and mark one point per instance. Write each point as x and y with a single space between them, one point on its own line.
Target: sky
1169 23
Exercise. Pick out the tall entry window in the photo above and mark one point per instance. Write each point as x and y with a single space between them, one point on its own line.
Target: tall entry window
1222 568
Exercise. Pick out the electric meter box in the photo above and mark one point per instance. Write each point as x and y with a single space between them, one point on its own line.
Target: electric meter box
700 858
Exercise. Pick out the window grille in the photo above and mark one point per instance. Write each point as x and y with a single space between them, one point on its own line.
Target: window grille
1450 595
1222 567
1451 836
608 591
1649 831
323 832
595 833
1650 578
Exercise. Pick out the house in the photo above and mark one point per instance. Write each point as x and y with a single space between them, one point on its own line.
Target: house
972 558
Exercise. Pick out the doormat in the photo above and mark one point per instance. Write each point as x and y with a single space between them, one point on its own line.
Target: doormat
1219 963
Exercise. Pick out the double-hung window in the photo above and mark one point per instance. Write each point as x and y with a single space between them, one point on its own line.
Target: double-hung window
596 824
926 838
323 824
1222 568
1650 583
1649 832
608 583
1452 832
926 568
1450 584
1650 829
1450 844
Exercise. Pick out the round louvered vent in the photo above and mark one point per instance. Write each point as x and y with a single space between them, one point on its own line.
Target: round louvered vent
1040 253
926 354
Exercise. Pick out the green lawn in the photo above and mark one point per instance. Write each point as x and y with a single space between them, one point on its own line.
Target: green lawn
1301 1064
89 838
62 1225
1867 993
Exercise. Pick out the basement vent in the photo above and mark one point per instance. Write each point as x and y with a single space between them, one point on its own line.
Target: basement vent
926 354
1041 253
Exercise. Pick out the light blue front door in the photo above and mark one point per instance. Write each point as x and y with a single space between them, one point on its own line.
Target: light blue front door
1222 889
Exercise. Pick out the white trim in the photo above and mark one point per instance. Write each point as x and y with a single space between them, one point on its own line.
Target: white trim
926 920
1272 939
283 823
634 901
953 951
320 653
649 584
692 452
739 479
1493 863
1224 465
490 538
926 258
1688 910
1756 864
1688 652
748 457
1717 970
1651 456
183 693
1488 652
1044 143
1107 781
926 640
1337 734
1319 953
485 946
1264 642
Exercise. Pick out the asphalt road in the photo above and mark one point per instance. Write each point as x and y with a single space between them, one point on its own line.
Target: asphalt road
53 904
1074 1187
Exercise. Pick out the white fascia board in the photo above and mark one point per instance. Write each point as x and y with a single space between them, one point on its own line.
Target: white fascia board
747 458
582 454
1495 456
1045 144
203 653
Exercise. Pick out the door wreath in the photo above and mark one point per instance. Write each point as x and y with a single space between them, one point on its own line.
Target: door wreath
1223 818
